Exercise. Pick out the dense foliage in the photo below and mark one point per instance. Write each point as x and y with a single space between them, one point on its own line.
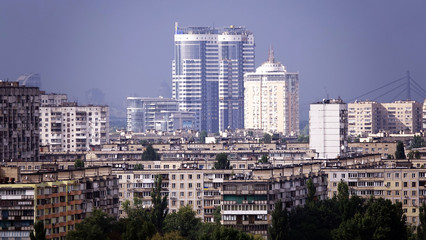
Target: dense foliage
150 154
400 153
222 161
341 217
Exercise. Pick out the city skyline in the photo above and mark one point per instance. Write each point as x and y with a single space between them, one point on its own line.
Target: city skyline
339 49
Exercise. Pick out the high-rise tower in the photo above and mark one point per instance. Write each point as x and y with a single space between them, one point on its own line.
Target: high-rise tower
271 98
208 73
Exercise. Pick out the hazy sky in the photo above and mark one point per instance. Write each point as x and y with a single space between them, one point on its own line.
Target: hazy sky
125 48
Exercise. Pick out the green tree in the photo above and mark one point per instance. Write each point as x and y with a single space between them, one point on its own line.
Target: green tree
417 154
39 232
264 159
421 229
267 138
311 191
184 221
138 224
222 161
410 155
168 236
160 210
138 167
217 216
203 136
78 163
150 154
417 142
279 228
380 220
95 227
400 153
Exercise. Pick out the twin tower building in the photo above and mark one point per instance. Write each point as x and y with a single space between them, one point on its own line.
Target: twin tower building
215 79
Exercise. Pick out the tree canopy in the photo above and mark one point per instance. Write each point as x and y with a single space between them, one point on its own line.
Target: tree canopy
150 154
342 217
39 232
78 163
400 153
222 161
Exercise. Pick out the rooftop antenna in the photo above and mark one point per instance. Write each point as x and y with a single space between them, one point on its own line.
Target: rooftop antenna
271 57
326 93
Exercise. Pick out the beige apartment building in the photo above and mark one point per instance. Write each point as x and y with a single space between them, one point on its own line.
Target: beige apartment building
271 99
369 117
405 185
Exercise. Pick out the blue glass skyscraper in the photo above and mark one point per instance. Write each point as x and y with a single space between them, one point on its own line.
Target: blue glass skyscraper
208 74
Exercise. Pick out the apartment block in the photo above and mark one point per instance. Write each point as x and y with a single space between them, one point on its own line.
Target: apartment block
19 122
69 127
369 117
60 199
53 99
405 185
424 116
328 128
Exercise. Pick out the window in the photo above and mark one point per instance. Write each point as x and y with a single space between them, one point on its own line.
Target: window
405 184
189 185
190 176
173 176
404 175
182 177
396 175
396 184
413 175
413 184
181 185
182 194
173 185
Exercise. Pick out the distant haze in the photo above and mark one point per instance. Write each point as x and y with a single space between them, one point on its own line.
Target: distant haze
108 50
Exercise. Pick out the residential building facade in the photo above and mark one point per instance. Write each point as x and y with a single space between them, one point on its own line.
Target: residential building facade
19 122
328 127
369 117
69 127
208 70
271 99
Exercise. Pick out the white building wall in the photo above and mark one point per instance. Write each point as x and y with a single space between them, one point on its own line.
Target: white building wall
328 129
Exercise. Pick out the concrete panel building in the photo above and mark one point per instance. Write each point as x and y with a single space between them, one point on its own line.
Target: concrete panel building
19 122
69 127
369 117
328 126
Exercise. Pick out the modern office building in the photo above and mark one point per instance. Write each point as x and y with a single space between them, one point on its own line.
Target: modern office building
369 117
30 80
271 98
208 72
161 114
328 127
69 127
19 122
